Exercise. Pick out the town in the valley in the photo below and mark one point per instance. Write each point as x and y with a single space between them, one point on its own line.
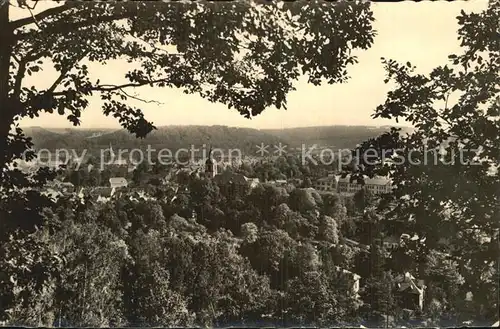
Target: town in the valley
320 188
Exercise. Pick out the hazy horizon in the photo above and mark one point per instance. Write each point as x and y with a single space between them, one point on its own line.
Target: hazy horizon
424 33
215 125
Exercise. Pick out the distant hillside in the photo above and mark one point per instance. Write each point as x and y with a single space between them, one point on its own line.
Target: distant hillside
171 137
59 138
338 137
176 137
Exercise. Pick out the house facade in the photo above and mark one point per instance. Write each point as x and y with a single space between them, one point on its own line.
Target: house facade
353 278
327 184
344 185
409 292
376 185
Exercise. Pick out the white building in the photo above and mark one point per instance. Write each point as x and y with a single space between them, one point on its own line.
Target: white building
327 184
376 185
116 182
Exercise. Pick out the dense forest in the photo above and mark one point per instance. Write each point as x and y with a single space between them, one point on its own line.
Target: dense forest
215 257
175 137
338 137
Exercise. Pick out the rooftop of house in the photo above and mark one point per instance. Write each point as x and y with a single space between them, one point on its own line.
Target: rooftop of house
354 275
118 180
327 179
346 179
408 283
353 243
377 180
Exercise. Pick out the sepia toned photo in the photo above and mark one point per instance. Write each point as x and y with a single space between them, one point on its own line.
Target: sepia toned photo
249 163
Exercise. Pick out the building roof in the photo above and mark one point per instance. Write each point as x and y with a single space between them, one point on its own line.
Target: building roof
352 274
117 180
407 282
356 244
346 179
327 179
377 180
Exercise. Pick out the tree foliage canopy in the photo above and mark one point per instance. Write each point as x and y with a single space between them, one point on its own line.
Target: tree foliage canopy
446 172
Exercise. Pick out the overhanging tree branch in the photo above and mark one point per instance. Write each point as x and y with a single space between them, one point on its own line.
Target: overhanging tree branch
44 14
119 87
67 26
59 79
105 88
138 98
65 71
22 70
34 18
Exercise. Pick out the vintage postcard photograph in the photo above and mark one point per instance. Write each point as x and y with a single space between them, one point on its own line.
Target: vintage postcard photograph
249 163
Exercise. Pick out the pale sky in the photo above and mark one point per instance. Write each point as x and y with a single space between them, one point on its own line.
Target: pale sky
424 33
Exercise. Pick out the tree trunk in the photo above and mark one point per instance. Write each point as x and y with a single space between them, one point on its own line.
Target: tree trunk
6 117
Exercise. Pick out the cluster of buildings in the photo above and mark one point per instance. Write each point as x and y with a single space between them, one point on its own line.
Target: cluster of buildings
57 188
410 291
229 182
344 185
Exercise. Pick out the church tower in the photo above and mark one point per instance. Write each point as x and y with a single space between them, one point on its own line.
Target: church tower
111 152
210 165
